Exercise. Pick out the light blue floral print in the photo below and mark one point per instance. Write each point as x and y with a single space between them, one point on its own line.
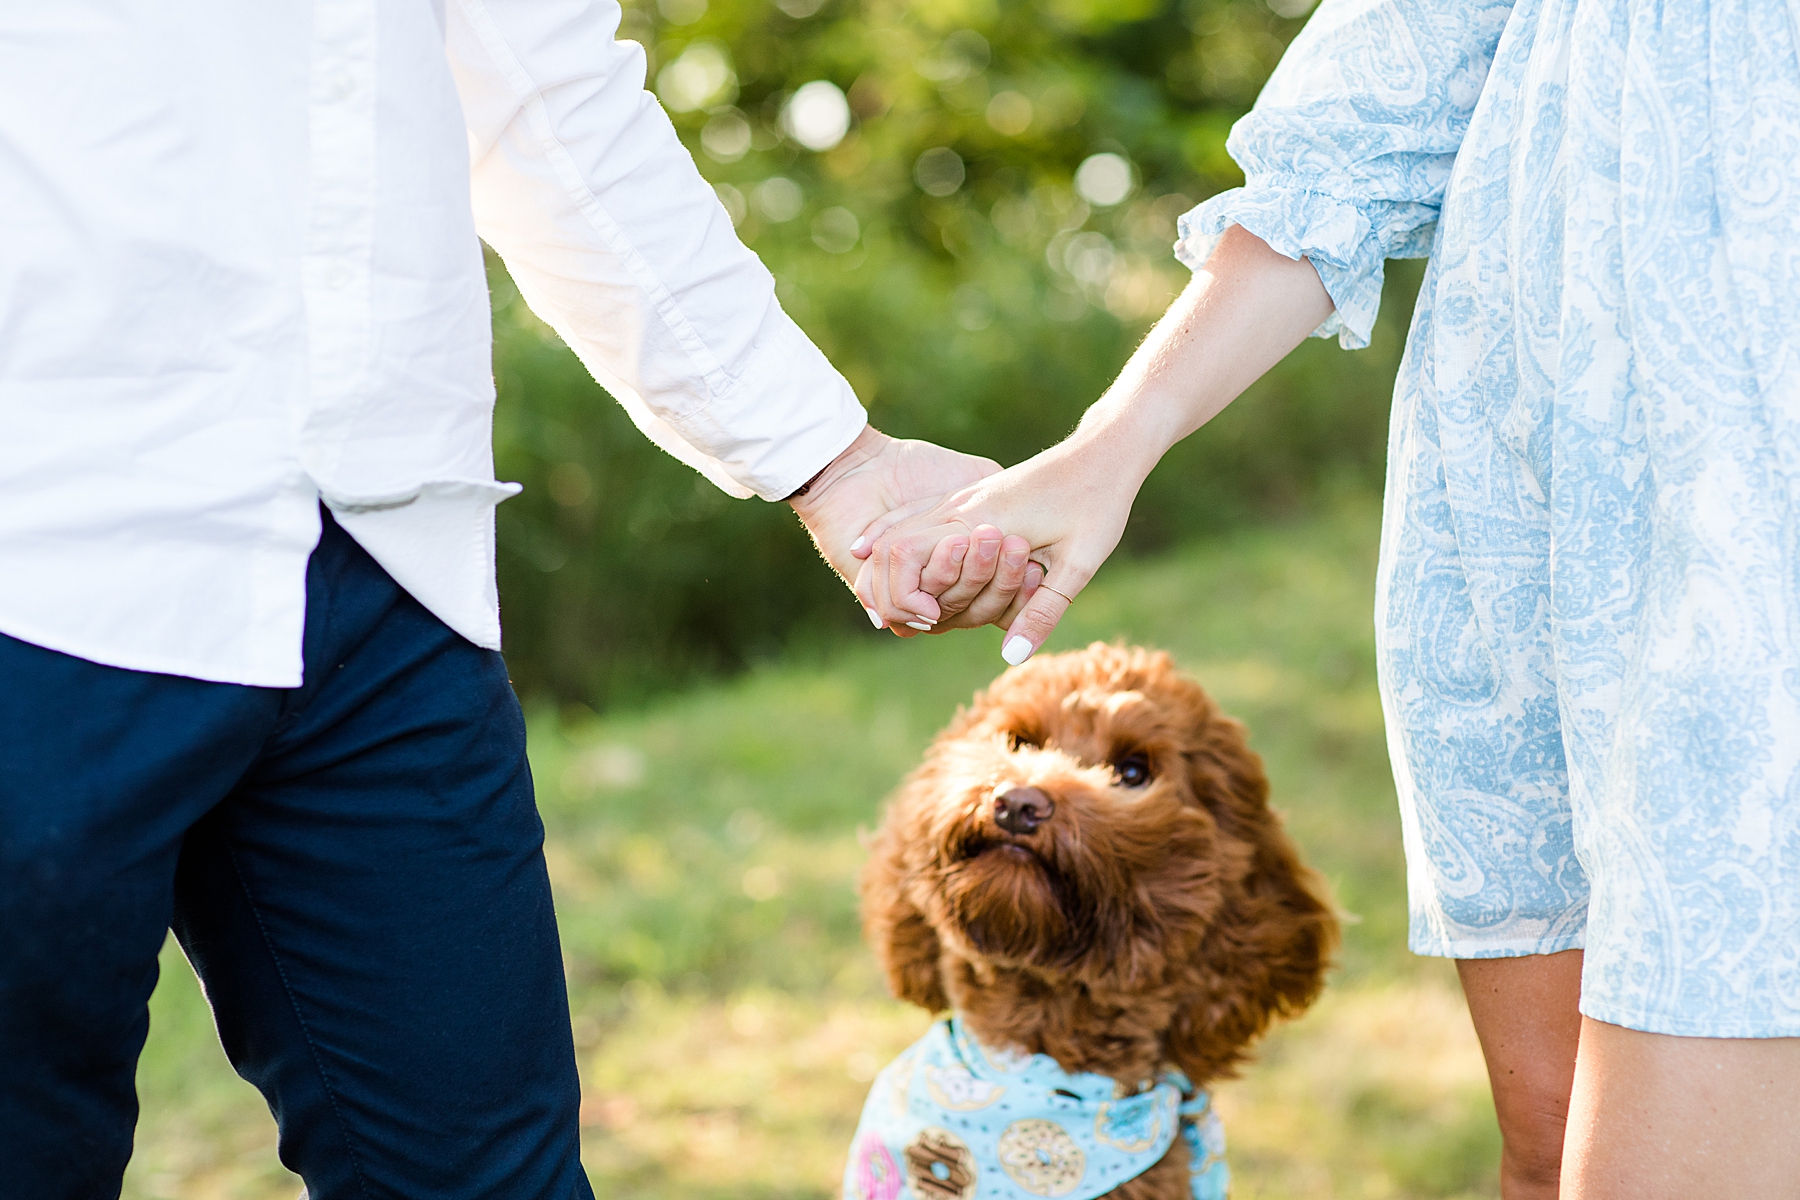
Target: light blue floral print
1588 614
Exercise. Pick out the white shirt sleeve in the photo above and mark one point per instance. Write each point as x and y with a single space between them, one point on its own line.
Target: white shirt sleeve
581 185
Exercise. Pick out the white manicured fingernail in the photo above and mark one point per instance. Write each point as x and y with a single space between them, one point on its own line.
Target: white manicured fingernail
921 626
1016 650
858 544
875 618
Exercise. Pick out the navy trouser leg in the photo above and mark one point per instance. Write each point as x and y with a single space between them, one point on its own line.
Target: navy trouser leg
364 897
101 773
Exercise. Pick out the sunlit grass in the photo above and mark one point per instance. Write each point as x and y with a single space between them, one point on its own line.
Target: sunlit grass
729 1019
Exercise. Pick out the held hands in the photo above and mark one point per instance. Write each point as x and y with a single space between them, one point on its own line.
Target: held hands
878 476
977 576
930 520
1067 506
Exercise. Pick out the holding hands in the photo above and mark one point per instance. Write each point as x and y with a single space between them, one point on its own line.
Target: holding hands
931 564
1064 511
876 479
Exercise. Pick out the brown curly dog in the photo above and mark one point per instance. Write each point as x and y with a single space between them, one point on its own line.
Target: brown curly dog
1086 866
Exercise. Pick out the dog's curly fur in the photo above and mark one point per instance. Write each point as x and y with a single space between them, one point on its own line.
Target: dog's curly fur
1163 924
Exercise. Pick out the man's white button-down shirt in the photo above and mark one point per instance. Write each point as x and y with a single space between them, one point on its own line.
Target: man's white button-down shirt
239 271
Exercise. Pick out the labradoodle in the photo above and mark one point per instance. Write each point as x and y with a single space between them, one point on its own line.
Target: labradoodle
1086 874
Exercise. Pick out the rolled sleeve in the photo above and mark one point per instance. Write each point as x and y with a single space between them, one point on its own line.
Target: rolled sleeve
1350 146
581 185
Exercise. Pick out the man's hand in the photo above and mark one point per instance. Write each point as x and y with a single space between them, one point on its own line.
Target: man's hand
878 475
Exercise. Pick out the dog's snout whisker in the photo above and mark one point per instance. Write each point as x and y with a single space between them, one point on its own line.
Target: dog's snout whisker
1022 809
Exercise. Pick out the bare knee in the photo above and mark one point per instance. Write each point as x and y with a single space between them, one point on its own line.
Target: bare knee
1531 1157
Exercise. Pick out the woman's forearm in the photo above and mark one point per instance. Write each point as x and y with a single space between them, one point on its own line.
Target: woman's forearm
1240 315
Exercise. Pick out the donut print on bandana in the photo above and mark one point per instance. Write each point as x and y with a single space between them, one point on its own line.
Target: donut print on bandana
940 1167
878 1176
1041 1157
1132 1125
964 1122
956 1089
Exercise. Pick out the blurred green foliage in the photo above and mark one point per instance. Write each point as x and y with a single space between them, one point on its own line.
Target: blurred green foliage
913 173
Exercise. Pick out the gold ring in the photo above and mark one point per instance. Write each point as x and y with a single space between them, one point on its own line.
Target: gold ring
1064 595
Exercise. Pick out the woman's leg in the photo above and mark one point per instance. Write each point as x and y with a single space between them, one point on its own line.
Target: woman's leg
1525 1014
1656 1117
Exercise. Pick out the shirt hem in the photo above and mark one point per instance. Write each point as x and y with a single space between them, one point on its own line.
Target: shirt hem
1673 1025
147 663
1437 946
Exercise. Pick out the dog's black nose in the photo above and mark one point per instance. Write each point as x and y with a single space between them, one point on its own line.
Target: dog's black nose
1022 809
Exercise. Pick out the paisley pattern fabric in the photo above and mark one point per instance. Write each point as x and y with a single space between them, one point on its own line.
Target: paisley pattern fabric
1588 614
951 1119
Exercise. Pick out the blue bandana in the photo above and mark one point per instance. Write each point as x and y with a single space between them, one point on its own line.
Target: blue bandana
953 1120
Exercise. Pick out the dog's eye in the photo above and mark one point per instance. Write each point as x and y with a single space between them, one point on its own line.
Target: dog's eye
1018 741
1133 770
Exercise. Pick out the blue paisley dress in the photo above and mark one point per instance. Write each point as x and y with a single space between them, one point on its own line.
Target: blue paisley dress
1588 614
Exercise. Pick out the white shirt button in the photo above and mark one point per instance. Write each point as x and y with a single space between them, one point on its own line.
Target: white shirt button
342 85
337 277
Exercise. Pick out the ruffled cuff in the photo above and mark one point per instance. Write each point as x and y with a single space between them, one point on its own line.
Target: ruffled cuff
1346 243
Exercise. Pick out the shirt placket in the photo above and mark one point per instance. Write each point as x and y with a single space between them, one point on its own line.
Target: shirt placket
338 262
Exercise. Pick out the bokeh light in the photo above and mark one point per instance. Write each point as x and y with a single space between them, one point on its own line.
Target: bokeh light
958 56
726 137
836 231
700 77
779 199
681 12
939 171
817 115
1103 179
1009 113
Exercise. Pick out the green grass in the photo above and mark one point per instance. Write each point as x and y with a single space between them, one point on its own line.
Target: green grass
728 1017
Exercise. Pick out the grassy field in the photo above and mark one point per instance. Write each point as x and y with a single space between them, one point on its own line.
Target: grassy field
728 1018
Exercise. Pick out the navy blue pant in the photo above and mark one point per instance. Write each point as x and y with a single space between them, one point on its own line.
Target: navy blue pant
355 868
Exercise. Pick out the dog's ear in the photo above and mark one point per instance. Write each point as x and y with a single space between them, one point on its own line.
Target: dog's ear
904 943
1267 953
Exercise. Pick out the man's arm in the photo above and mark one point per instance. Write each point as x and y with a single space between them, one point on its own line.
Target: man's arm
614 239
580 184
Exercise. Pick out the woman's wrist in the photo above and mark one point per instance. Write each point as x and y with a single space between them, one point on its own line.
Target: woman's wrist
1125 433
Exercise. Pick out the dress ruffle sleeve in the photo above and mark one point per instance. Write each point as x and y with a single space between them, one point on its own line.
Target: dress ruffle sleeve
1349 148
